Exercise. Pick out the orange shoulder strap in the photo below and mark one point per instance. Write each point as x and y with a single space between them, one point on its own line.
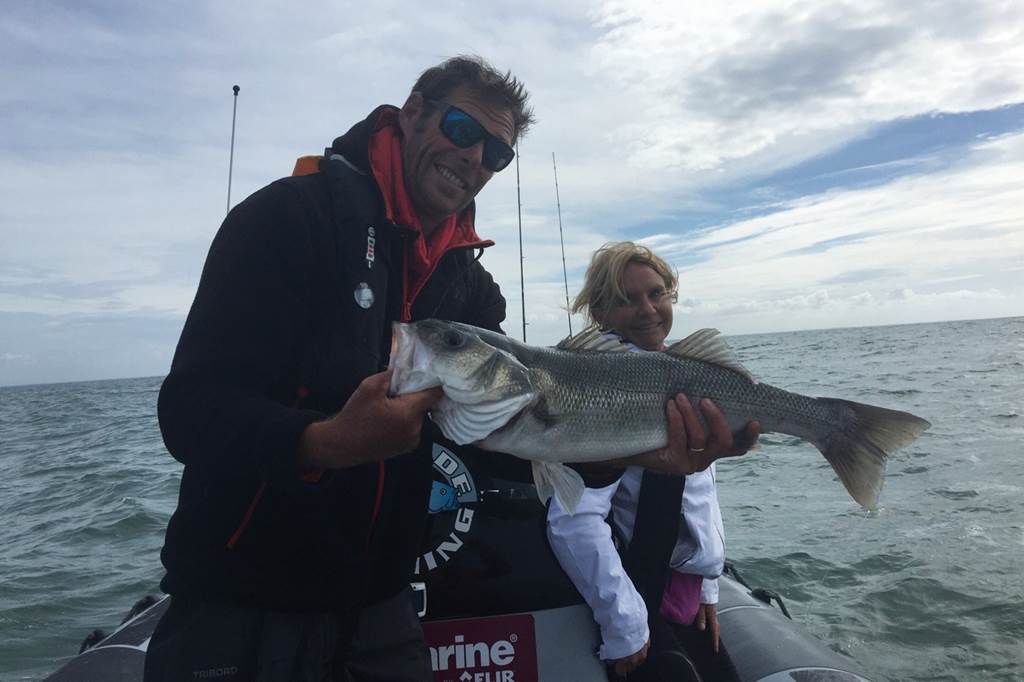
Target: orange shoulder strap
307 165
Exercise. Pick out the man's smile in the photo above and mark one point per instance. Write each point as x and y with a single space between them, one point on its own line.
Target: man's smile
450 175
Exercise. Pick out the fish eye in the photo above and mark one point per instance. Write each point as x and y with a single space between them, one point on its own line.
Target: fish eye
452 339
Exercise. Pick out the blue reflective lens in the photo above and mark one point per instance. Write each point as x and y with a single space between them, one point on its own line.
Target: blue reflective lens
461 128
464 131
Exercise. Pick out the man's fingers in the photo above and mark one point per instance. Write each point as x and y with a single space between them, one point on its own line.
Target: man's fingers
700 618
377 383
421 401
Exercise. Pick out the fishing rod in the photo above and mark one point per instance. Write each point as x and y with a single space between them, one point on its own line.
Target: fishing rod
231 161
565 275
522 278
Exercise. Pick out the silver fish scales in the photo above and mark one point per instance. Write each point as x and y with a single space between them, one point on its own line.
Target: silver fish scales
580 402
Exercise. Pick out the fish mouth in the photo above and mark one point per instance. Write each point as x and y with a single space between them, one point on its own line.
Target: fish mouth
399 360
410 362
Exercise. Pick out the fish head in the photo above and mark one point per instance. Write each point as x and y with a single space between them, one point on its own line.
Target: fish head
471 371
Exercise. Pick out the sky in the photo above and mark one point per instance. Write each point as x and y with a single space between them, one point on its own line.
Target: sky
802 164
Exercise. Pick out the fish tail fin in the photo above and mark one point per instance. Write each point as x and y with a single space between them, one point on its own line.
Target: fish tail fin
559 480
858 449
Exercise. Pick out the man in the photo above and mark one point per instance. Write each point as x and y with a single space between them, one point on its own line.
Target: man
305 488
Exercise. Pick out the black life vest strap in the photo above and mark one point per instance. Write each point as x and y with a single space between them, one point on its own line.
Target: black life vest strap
654 536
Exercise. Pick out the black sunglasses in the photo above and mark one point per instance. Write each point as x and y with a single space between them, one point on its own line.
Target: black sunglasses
464 131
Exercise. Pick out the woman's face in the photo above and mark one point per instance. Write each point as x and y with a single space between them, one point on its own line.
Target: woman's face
645 320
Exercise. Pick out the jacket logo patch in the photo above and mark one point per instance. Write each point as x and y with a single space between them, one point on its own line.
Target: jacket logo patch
363 295
371 241
453 486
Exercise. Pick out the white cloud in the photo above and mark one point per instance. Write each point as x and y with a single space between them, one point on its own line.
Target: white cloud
712 83
114 158
927 232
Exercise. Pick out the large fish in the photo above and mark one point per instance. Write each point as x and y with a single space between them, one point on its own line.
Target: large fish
579 402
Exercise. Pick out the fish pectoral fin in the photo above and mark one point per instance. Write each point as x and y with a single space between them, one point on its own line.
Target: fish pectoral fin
552 478
707 345
469 423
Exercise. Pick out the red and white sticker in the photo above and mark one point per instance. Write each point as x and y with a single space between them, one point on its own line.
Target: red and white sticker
496 649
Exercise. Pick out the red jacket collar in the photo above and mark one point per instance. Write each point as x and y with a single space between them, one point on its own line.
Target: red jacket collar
421 254
385 153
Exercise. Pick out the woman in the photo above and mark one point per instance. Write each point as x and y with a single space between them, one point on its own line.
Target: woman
664 584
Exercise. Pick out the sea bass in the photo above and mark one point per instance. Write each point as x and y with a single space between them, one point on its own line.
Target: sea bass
580 402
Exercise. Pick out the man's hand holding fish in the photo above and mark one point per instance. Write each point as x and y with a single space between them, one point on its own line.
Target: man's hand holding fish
370 427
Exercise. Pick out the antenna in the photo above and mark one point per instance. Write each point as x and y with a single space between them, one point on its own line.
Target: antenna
231 162
565 276
522 278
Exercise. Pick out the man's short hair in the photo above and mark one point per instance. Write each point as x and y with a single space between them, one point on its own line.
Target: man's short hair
495 88
602 285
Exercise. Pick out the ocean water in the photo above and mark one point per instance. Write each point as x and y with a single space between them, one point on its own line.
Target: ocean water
928 587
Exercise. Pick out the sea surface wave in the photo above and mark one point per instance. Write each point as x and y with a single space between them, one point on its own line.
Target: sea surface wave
928 587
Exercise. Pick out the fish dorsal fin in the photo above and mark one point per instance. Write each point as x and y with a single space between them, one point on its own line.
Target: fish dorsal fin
708 346
594 339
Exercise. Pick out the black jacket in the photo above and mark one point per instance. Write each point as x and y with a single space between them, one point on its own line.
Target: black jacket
276 339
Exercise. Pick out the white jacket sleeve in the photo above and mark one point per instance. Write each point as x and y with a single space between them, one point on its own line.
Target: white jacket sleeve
582 542
709 591
700 547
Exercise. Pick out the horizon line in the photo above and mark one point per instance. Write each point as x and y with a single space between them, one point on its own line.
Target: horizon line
790 331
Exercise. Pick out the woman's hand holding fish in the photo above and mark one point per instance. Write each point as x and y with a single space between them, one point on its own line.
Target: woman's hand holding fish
370 427
721 441
690 448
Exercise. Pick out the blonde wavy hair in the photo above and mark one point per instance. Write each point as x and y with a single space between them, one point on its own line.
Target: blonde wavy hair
602 285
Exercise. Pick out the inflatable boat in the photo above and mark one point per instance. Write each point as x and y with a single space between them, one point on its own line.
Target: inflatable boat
496 607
